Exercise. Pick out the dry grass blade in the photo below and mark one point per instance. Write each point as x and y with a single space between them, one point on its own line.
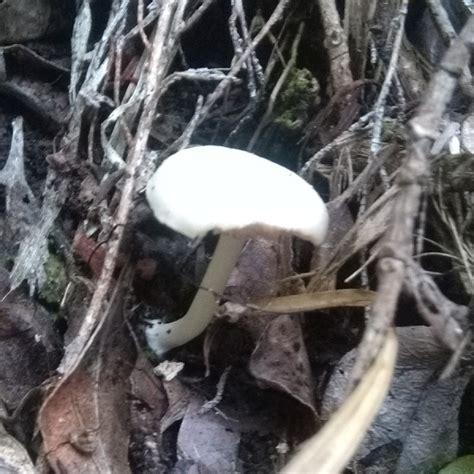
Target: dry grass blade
315 301
334 445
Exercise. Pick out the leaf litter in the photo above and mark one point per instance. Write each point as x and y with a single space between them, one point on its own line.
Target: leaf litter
237 400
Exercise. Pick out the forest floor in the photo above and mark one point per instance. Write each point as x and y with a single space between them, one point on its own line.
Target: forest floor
350 356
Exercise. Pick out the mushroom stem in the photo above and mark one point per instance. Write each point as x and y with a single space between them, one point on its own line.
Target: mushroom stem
163 337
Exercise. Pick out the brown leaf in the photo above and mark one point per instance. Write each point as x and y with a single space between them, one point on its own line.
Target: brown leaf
256 276
84 422
419 417
280 360
147 408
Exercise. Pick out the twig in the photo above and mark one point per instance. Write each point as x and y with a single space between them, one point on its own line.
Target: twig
379 113
196 16
397 244
442 21
379 108
336 45
211 404
312 162
163 43
224 84
140 25
278 86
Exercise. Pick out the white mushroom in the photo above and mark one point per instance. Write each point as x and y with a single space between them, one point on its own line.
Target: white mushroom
234 193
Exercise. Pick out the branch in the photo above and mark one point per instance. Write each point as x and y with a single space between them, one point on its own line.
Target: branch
397 244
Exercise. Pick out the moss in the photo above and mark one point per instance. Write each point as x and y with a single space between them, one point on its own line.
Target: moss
464 465
53 289
300 94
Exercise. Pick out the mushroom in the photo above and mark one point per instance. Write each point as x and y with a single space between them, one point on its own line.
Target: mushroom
239 195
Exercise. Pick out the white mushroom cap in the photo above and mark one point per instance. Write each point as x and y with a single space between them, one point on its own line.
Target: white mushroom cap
218 189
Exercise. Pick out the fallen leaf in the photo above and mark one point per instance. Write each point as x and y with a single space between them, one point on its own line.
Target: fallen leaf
335 444
315 301
29 345
147 406
13 456
207 442
280 360
340 223
179 397
85 420
410 425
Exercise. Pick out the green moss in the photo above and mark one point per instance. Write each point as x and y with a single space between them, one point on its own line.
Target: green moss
463 465
299 95
53 289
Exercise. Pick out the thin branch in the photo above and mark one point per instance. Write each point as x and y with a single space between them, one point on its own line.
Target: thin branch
336 45
397 244
163 43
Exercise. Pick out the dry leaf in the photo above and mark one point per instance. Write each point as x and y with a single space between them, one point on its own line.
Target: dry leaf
207 442
147 407
84 422
280 360
334 445
314 301
340 223
416 428
13 456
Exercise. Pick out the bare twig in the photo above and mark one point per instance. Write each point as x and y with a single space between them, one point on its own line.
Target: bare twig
312 162
197 15
441 19
140 25
224 84
397 244
276 90
163 44
211 404
336 44
379 108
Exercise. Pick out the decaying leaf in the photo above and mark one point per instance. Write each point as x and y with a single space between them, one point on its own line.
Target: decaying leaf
280 360
340 223
29 346
23 20
85 420
13 456
418 436
334 445
207 442
179 397
147 406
